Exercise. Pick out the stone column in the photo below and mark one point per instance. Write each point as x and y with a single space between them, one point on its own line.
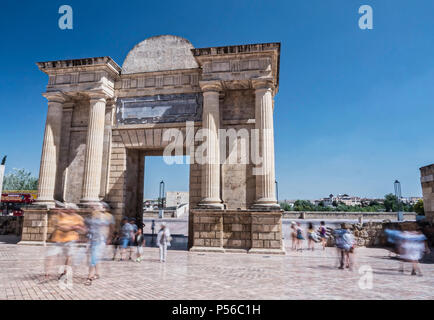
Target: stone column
50 148
211 166
94 149
264 170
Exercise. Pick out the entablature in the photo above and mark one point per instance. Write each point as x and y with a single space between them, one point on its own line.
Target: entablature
81 75
239 64
169 81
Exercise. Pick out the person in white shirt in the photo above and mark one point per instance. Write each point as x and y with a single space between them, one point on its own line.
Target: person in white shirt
163 241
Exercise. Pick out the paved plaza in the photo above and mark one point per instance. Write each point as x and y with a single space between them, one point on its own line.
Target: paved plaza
187 275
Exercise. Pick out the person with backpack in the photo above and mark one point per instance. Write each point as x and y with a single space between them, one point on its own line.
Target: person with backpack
163 241
345 244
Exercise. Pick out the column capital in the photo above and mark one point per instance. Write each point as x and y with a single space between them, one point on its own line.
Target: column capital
263 84
97 95
211 86
55 96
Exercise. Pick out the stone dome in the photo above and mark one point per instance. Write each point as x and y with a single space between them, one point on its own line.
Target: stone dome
160 53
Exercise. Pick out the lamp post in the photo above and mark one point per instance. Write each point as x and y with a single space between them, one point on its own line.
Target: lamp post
161 200
397 186
153 231
277 191
2 172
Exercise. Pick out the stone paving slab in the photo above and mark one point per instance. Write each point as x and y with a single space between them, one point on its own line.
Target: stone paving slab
188 275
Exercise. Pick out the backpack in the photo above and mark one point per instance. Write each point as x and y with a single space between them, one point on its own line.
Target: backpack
323 230
339 238
299 234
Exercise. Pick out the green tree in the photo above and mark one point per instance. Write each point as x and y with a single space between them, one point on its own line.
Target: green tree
20 179
418 207
285 206
303 205
390 202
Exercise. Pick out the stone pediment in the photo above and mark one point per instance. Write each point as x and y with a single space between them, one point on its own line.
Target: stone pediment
160 53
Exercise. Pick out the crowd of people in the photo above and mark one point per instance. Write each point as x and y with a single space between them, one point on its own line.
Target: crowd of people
409 246
76 239
313 236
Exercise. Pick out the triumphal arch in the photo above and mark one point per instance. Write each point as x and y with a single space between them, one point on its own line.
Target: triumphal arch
214 105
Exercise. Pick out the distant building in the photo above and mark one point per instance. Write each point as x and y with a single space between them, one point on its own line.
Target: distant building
176 198
150 204
341 198
410 200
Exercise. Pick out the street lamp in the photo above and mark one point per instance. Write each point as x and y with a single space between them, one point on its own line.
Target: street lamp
277 191
161 200
397 186
153 231
2 173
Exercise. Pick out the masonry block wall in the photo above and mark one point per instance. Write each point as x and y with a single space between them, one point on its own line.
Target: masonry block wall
427 181
244 231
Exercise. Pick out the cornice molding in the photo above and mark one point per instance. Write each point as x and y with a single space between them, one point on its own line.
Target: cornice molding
74 65
55 96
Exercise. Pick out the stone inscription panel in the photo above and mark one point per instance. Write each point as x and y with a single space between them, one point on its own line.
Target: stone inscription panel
159 109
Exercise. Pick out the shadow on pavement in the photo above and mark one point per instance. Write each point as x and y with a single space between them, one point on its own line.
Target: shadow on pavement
9 239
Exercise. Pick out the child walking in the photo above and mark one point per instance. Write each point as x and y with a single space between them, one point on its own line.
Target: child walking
140 240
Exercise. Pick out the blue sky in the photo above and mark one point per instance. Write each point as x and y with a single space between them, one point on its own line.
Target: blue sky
355 107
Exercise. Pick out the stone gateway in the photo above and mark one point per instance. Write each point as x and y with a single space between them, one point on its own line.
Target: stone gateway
103 120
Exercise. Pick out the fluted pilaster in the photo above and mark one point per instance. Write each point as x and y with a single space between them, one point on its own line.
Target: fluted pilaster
50 148
265 171
94 149
211 166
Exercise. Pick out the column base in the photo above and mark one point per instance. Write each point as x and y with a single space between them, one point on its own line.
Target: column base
211 204
44 203
87 203
260 205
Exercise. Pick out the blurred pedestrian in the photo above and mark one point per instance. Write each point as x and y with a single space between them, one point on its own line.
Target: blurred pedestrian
393 238
412 248
293 235
115 241
98 224
163 241
132 242
125 237
299 236
67 228
311 237
345 244
140 241
322 230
